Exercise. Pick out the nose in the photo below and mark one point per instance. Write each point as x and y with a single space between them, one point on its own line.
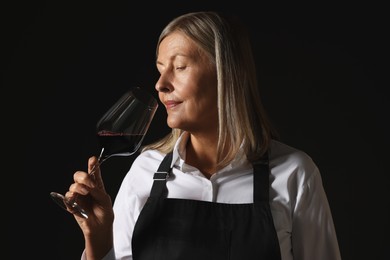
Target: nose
163 85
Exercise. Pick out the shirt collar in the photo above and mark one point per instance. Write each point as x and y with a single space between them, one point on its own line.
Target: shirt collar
179 156
179 150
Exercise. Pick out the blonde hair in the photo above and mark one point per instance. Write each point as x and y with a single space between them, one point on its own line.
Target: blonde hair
242 118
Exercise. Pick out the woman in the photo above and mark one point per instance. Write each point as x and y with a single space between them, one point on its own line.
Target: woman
219 186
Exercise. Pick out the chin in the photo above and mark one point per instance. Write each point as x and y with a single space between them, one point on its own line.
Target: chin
175 125
172 124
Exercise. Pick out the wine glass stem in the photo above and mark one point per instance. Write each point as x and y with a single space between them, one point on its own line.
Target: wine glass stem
100 161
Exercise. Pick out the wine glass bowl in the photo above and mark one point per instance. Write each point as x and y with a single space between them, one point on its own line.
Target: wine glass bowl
122 128
120 132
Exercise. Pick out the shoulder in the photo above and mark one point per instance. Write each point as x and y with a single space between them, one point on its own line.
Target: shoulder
282 154
291 167
294 178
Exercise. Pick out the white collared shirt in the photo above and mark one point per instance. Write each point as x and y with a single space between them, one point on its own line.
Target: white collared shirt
299 205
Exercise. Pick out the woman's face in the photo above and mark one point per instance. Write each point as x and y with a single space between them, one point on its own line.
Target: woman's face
187 85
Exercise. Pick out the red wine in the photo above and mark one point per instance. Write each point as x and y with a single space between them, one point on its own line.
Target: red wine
119 143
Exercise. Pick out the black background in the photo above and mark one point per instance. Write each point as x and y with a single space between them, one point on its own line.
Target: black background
322 74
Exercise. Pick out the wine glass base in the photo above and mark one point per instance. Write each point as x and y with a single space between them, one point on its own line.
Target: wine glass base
61 201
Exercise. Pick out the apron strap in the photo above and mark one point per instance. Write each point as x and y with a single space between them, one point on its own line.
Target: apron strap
159 188
261 180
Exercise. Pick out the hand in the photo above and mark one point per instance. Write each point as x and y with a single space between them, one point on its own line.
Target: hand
89 192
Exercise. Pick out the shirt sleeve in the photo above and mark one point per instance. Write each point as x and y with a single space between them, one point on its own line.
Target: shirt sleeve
125 209
110 255
313 231
129 201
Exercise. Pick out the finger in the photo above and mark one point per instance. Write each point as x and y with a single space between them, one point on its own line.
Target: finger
82 179
94 169
69 200
79 188
71 203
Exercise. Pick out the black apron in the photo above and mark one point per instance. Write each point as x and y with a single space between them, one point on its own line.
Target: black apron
170 229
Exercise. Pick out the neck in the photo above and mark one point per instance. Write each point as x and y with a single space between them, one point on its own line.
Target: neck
201 153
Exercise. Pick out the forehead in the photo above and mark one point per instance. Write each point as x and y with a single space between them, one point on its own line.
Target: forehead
176 44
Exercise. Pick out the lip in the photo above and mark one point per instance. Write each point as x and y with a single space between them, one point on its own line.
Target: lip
171 104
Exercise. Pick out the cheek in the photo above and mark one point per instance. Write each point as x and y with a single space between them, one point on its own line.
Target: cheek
209 85
209 96
203 105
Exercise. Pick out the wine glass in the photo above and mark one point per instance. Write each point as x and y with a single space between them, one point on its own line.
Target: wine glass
120 132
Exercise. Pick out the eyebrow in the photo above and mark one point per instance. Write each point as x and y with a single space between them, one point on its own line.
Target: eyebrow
174 57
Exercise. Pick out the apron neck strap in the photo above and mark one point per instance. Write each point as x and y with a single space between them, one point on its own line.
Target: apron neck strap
261 179
159 188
